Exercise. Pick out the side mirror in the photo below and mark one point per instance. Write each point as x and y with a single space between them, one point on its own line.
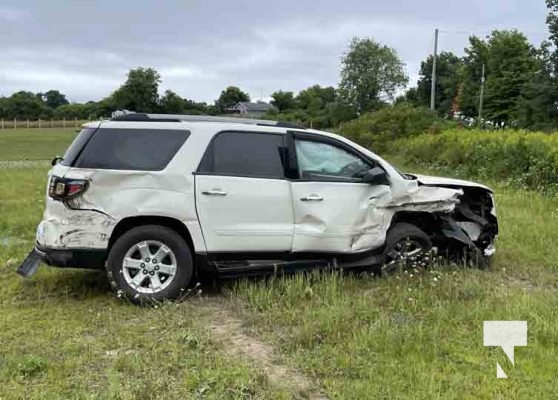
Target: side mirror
56 160
375 176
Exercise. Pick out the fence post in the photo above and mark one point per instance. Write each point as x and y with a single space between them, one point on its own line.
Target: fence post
64 122
39 123
52 123
76 122
15 123
2 123
27 123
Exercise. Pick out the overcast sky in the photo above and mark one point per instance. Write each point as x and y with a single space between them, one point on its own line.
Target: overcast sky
84 48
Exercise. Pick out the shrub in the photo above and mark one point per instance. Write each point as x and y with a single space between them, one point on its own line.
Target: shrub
378 129
526 159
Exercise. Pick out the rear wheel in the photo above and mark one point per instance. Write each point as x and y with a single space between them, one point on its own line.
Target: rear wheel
406 246
150 263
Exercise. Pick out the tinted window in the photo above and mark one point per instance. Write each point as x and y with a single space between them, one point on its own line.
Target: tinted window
131 149
322 160
75 148
245 154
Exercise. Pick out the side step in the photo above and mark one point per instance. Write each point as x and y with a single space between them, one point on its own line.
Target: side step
234 268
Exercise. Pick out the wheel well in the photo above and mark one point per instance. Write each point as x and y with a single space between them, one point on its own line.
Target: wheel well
423 220
131 222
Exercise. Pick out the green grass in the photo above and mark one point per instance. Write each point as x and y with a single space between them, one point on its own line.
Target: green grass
419 335
34 144
64 335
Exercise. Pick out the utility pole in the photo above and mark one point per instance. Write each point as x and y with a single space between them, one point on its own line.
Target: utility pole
481 99
433 89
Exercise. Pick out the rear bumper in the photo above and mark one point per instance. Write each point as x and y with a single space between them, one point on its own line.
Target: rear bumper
73 258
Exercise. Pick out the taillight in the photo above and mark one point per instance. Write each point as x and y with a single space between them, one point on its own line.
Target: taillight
64 189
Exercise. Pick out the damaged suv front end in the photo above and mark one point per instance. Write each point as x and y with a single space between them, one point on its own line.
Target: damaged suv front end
473 224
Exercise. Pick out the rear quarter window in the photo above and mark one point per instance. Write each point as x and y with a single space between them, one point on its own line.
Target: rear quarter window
131 149
77 145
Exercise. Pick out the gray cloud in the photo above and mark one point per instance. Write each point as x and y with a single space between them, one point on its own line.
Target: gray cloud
85 48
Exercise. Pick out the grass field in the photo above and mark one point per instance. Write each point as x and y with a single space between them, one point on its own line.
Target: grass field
417 335
34 144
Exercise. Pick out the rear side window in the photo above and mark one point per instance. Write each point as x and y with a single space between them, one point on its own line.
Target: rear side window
245 154
131 149
75 148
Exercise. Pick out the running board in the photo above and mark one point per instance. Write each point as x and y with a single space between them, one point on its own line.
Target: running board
257 267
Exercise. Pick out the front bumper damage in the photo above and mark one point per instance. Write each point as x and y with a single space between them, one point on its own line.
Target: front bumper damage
470 235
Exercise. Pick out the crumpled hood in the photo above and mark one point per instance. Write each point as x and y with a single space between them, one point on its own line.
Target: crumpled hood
437 180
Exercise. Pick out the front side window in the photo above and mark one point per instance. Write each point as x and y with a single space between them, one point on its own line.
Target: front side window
131 149
317 160
256 155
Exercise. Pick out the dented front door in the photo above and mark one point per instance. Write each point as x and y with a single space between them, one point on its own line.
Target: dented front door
337 217
334 211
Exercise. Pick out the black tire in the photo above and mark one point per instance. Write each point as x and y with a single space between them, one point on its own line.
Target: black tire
402 233
184 265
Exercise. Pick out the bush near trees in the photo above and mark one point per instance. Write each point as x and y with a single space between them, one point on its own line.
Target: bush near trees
378 130
317 107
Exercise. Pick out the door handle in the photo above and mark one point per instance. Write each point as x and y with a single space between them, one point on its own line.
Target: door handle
214 192
312 197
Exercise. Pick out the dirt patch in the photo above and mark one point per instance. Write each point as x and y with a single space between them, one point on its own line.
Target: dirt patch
227 329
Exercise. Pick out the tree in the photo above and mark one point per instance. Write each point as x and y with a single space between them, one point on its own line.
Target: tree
314 104
511 61
229 97
537 106
371 74
448 67
171 103
539 100
475 56
22 105
283 101
53 99
140 91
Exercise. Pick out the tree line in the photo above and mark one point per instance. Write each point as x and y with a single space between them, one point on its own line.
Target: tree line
521 87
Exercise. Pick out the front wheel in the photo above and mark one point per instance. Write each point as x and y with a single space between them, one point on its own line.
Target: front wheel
150 263
406 246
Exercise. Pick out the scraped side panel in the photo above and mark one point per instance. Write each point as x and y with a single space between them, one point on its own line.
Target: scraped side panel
355 217
88 220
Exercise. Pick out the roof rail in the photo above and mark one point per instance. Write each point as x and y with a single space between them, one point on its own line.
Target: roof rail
125 115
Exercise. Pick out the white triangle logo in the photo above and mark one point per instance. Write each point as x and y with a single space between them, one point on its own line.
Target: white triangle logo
500 372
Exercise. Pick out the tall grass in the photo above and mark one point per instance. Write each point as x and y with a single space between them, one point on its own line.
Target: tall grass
524 159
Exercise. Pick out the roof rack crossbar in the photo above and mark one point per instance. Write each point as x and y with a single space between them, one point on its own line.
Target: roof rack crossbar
125 115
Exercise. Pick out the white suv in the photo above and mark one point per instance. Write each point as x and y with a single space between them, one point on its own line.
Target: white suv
159 199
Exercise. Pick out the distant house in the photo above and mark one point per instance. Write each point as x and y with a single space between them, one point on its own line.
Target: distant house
247 109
